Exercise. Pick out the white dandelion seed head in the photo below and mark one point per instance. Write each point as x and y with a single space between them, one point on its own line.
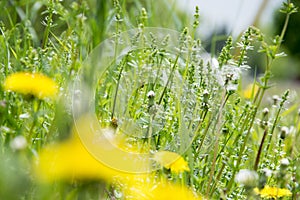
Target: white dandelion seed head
246 177
18 143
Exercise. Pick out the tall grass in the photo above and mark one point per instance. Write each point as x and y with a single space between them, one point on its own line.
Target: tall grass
152 94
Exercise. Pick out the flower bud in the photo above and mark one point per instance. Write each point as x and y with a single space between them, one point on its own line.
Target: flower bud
151 94
265 112
276 99
284 132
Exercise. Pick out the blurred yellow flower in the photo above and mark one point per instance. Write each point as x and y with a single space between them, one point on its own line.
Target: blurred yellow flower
174 192
273 192
172 161
70 160
92 156
75 159
147 189
127 145
35 84
250 91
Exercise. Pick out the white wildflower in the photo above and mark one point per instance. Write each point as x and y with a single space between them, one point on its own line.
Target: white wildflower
267 172
150 94
246 177
18 143
24 116
284 161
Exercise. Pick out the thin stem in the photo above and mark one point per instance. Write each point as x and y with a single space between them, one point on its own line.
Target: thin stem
150 131
238 162
35 117
283 31
7 63
48 26
218 178
216 146
292 150
117 89
274 125
260 12
168 81
204 135
204 168
260 148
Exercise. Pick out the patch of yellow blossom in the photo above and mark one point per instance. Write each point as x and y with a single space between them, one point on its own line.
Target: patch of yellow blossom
147 188
89 155
272 192
70 160
73 159
250 91
172 161
35 84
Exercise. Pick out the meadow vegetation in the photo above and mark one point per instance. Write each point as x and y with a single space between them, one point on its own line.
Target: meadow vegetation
119 100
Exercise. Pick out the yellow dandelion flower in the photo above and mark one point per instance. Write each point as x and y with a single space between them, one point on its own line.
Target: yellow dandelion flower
75 159
175 192
172 161
250 91
272 192
149 189
35 84
70 160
